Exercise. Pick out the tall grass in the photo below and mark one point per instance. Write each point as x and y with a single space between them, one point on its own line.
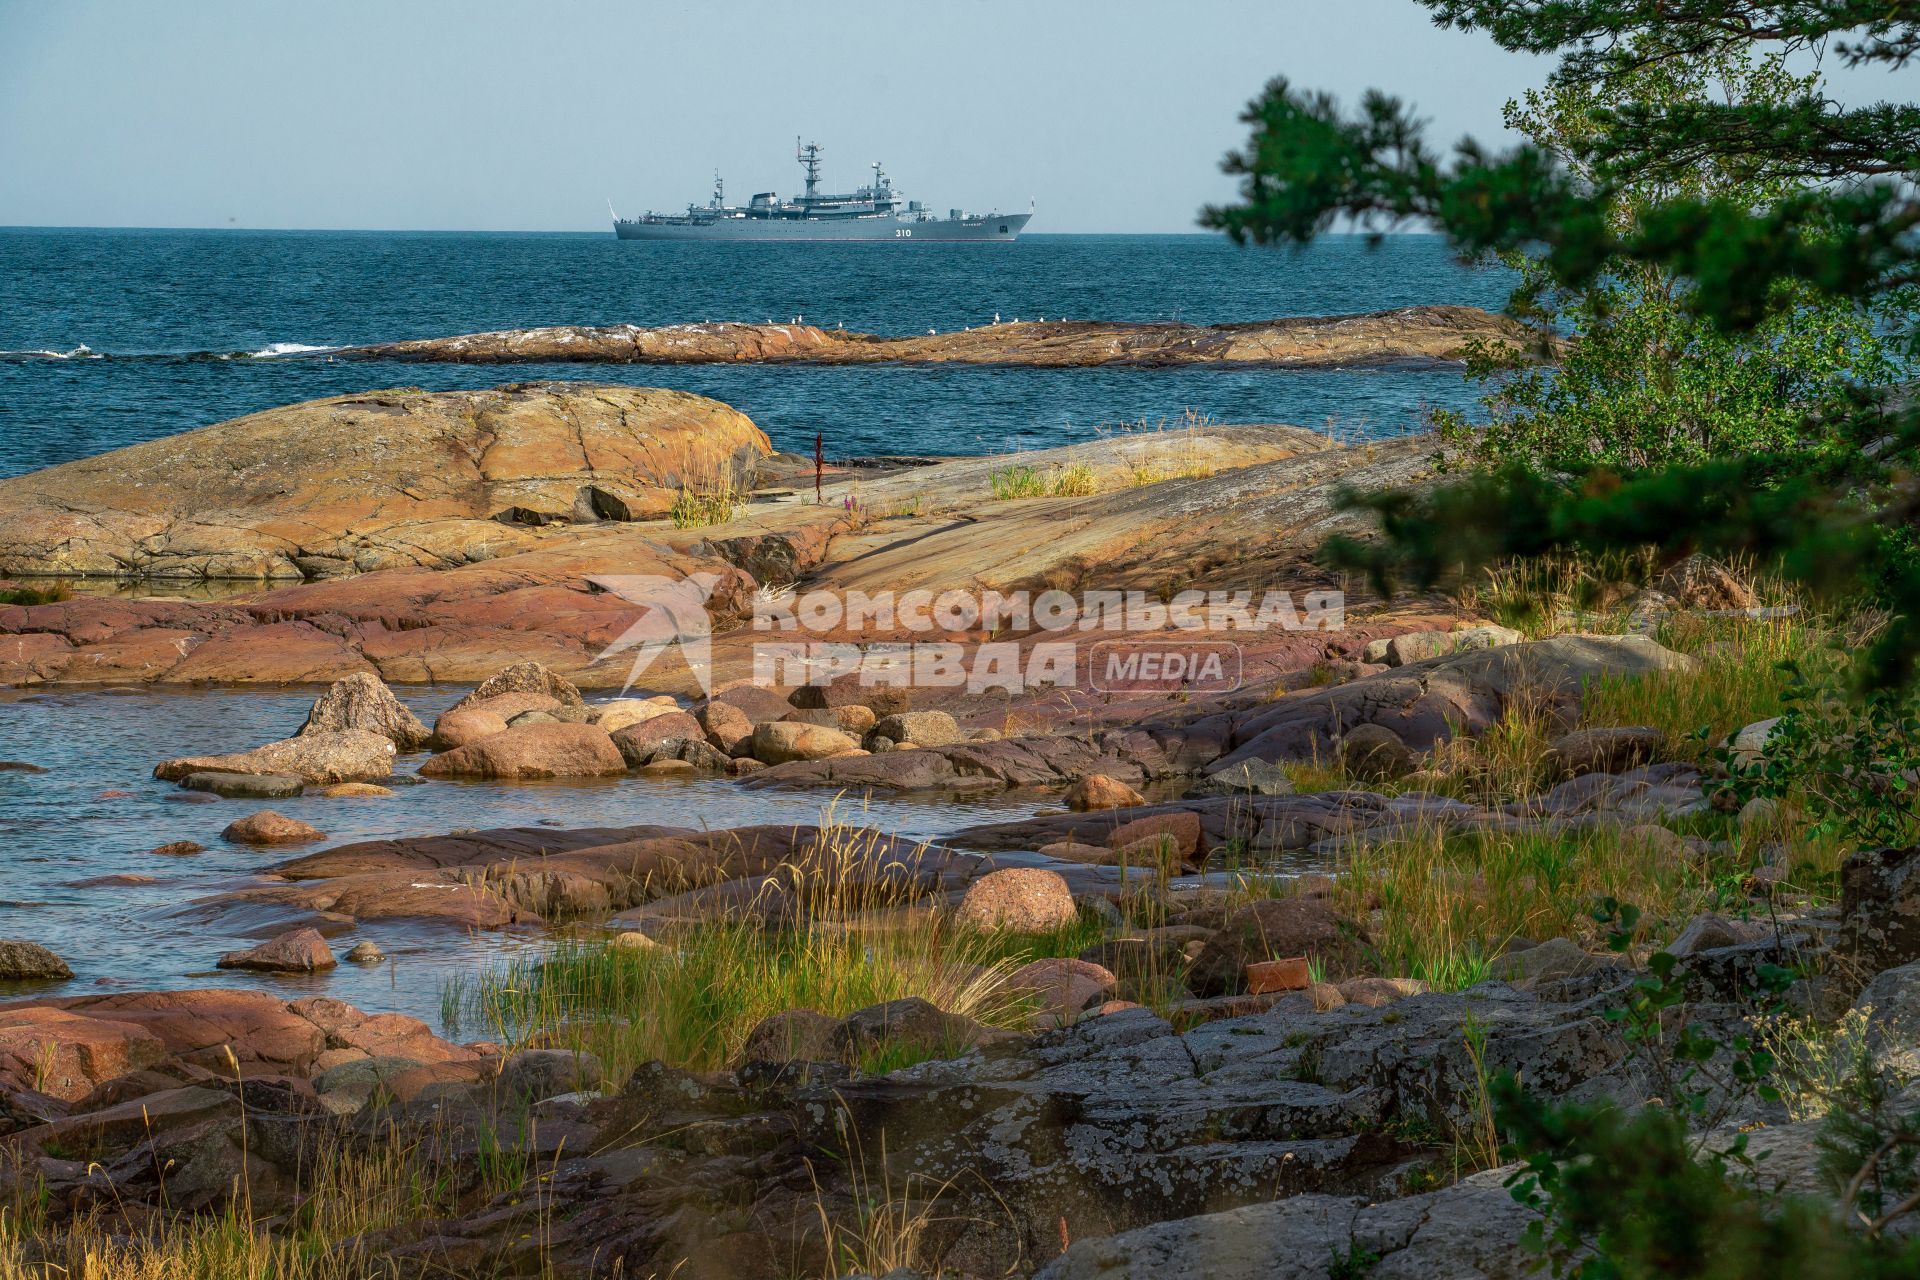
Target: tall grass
1739 680
345 1192
833 932
1440 905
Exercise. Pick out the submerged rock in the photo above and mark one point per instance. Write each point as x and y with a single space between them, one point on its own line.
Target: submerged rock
245 786
301 951
348 755
268 827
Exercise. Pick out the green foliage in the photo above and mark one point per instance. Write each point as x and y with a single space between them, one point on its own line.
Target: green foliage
1644 1194
1018 482
1626 1196
33 595
1847 763
1643 382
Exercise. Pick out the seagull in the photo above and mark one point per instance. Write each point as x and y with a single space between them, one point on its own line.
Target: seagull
930 332
996 317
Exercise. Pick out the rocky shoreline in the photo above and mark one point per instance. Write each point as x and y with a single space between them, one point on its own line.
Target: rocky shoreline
1427 335
1186 1019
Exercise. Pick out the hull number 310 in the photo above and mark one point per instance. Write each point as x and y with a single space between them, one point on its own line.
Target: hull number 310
903 233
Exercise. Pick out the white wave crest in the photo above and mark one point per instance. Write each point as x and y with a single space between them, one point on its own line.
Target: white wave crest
81 352
273 349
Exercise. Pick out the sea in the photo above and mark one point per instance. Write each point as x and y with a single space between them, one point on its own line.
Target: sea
111 337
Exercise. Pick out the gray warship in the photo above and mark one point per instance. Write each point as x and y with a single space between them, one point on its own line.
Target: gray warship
875 213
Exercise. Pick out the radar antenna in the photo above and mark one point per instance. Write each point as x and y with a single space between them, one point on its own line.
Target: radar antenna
809 158
719 190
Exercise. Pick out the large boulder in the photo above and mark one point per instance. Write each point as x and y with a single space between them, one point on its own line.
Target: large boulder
1098 791
321 758
1427 702
527 751
363 701
921 728
372 480
22 961
728 728
1019 899
639 742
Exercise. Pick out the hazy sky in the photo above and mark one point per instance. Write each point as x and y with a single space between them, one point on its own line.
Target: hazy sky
1113 114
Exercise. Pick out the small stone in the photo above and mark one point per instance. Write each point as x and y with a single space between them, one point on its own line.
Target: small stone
179 848
1098 791
620 713
22 961
300 951
1607 750
1418 646
1087 854
362 701
1289 974
1759 815
1708 931
268 827
1373 993
365 952
633 940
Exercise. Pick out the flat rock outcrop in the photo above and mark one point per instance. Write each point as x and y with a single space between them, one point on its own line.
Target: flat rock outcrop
376 480
1403 335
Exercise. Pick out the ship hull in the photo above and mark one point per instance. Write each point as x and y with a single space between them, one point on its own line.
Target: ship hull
985 229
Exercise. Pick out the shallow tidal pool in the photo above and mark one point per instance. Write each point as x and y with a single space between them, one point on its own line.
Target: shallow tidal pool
72 839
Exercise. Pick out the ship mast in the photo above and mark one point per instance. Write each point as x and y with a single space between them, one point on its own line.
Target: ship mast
809 157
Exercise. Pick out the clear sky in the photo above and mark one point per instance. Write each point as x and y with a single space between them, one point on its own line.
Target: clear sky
530 115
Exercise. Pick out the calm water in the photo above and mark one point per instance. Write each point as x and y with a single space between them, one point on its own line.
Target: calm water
61 828
112 337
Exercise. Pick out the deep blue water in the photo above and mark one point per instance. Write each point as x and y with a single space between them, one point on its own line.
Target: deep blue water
170 322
